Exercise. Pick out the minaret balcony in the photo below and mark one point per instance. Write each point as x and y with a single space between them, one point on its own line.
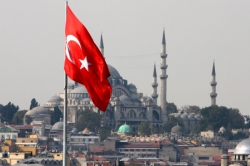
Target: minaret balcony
154 85
213 83
154 96
213 94
164 66
163 76
164 55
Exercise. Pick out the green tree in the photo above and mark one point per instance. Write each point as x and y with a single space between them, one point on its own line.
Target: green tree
18 117
55 115
195 109
171 123
236 120
214 117
28 119
33 103
8 111
144 129
171 108
104 132
88 119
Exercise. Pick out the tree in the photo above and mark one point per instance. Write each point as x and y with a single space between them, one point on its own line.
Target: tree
215 117
55 115
28 119
18 117
171 108
144 129
88 119
104 132
171 123
33 103
8 111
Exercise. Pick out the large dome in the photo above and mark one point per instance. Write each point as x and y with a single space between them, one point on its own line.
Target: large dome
79 89
57 126
113 72
243 147
55 99
124 129
177 129
37 111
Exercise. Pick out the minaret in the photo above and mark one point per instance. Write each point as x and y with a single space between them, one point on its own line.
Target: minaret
213 94
102 46
154 85
163 76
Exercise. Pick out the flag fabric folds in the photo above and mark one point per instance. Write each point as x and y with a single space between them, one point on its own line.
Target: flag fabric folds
84 63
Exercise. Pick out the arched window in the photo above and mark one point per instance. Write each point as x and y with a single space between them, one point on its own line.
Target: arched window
142 115
131 114
155 116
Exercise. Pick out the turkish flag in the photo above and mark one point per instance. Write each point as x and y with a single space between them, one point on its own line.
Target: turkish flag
84 63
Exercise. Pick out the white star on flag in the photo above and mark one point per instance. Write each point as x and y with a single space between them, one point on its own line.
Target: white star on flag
85 64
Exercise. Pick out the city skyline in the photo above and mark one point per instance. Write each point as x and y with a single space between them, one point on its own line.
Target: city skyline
197 34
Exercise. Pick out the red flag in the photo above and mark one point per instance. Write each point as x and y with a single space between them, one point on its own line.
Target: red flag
84 62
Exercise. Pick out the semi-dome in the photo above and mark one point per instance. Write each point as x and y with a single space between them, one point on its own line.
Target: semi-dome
79 89
191 116
243 147
146 98
135 98
222 130
184 116
57 126
86 99
197 116
131 86
70 85
55 99
177 129
124 129
85 131
124 98
37 111
74 130
113 72
177 115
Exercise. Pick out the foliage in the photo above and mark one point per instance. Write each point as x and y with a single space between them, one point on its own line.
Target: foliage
247 121
215 117
195 109
171 108
18 117
190 109
171 123
55 115
33 103
144 129
88 119
104 132
7 112
28 119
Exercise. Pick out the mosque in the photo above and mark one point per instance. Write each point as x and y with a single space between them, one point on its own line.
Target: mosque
126 104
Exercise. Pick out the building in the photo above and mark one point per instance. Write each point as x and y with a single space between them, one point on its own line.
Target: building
38 114
126 104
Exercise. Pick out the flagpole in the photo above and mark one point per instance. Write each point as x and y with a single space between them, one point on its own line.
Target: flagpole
65 112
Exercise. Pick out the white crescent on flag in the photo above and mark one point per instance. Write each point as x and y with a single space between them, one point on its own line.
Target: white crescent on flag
68 39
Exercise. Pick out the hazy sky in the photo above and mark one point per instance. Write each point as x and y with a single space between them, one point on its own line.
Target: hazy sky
197 33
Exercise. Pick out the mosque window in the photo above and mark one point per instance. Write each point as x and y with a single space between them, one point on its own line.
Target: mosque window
131 114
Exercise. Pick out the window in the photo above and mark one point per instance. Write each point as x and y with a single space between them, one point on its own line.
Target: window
203 158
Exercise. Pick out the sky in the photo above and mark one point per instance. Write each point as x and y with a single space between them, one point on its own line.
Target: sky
198 33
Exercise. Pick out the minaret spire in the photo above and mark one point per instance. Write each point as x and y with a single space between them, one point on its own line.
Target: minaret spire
213 84
163 77
101 46
154 85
